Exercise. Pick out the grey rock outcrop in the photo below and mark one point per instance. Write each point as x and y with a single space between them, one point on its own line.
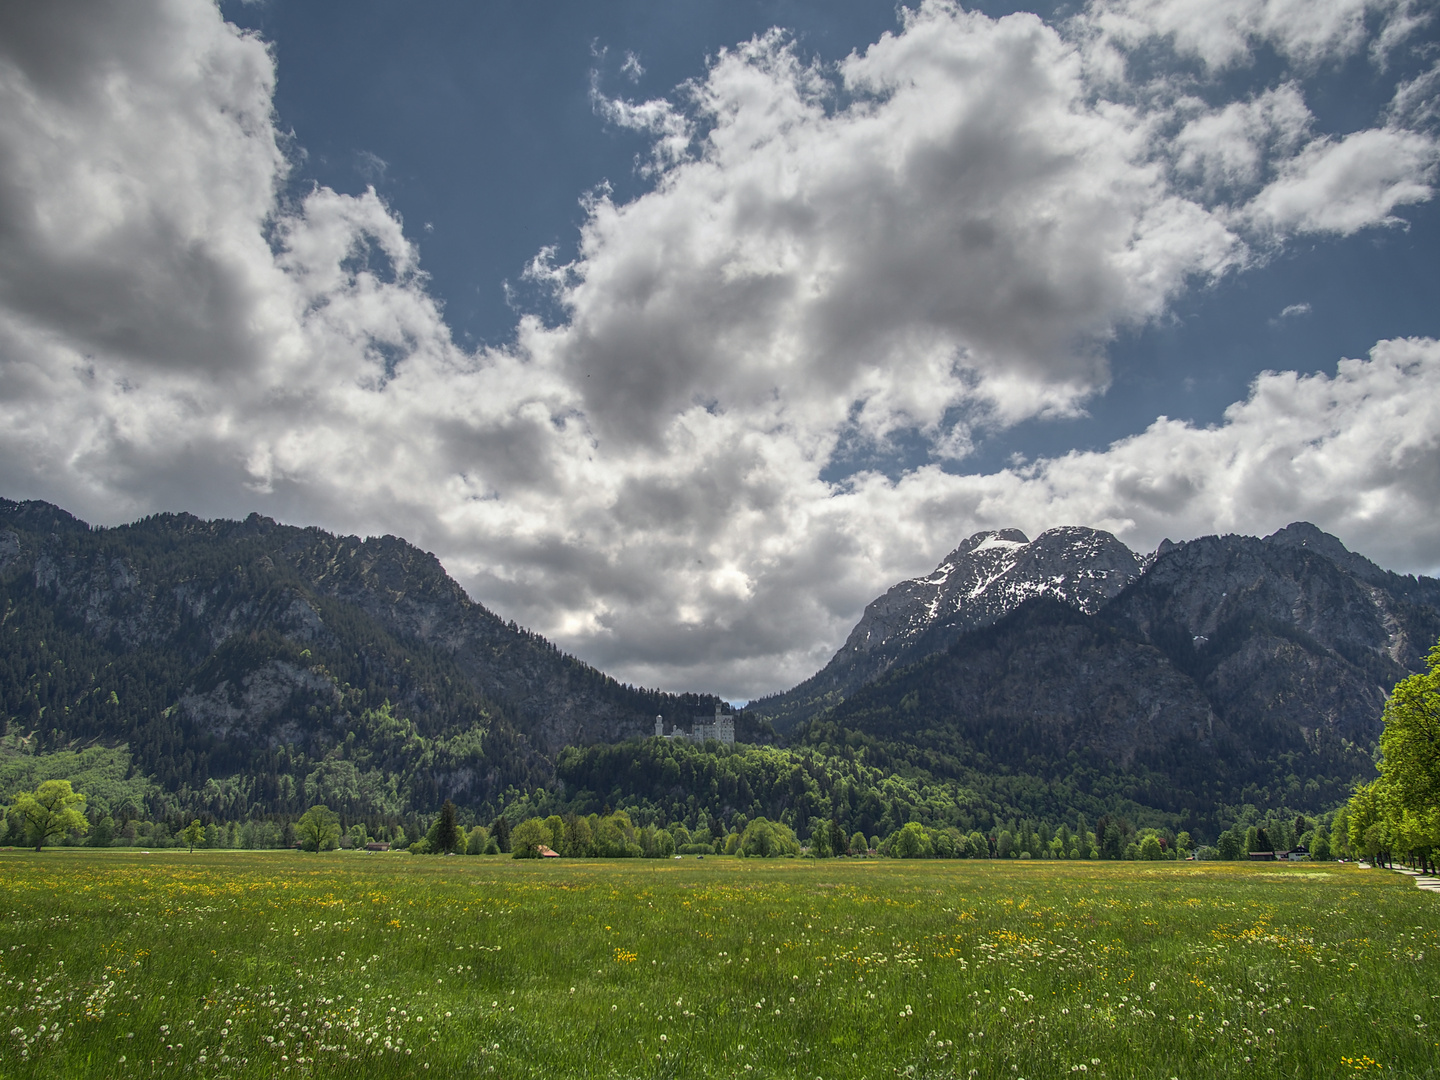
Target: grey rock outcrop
1290 633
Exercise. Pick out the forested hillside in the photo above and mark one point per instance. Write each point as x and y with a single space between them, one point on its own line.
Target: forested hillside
253 667
241 671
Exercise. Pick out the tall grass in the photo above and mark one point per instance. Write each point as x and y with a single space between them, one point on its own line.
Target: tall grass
235 964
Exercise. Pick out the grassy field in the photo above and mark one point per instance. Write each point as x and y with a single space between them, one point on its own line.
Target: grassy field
267 964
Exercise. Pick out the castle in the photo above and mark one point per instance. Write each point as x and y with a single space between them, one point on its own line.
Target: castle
721 729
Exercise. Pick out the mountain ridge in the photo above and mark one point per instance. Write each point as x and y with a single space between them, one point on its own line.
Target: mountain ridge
987 576
237 647
1286 646
254 667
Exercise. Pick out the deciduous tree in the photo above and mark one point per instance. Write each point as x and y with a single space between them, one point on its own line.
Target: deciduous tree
527 837
820 840
768 839
1410 741
911 842
51 811
318 829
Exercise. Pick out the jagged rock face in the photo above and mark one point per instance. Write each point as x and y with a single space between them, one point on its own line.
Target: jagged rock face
1065 685
266 705
985 578
990 575
1050 692
1299 577
1290 633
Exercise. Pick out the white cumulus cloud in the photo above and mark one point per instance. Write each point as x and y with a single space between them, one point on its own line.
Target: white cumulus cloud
1226 32
936 237
1344 185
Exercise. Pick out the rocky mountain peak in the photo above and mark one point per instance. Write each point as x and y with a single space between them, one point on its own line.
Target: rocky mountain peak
1302 535
986 577
991 574
995 540
1232 669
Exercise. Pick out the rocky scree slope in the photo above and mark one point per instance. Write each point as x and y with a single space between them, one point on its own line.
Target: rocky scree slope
223 649
985 578
1233 669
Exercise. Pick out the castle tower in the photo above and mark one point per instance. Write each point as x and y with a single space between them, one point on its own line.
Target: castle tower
659 727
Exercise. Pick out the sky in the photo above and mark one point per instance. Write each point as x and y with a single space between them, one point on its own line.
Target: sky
681 331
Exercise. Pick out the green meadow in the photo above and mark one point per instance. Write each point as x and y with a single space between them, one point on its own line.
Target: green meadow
270 964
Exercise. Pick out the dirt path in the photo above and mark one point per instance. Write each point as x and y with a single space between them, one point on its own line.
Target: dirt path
1422 880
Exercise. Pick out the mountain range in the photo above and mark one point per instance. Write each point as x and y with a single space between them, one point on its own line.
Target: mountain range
249 666
1226 668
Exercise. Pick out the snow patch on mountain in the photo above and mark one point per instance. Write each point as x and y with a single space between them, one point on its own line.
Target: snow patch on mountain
991 574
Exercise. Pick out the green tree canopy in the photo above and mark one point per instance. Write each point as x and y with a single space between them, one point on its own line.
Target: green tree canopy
448 837
1400 810
911 842
579 837
475 840
1410 741
768 839
318 829
526 838
53 810
820 841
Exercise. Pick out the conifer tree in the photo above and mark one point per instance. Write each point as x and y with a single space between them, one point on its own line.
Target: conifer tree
447 836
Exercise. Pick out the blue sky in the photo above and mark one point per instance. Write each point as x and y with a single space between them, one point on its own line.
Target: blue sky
681 331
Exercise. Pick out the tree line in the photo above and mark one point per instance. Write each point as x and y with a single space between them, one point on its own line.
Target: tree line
1398 813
